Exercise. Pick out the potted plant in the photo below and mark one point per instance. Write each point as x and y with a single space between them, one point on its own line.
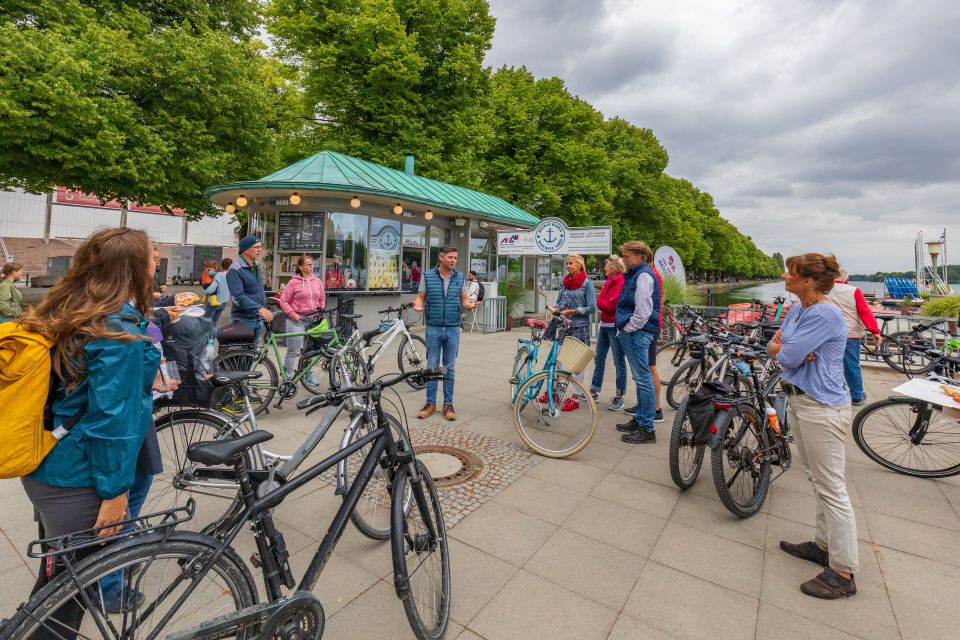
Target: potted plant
512 289
944 307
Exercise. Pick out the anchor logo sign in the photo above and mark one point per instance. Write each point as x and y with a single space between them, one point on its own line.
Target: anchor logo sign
550 235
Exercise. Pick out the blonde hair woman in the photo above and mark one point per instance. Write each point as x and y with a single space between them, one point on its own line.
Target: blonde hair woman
577 301
614 269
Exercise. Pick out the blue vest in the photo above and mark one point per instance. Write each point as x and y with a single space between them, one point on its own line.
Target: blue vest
627 302
443 310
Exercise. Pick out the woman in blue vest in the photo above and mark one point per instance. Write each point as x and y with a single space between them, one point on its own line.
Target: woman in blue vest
441 288
577 301
638 323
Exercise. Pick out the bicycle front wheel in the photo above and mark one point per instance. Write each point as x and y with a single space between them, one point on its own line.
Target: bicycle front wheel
554 426
904 352
686 458
421 560
217 499
740 471
909 436
261 389
412 356
684 378
155 576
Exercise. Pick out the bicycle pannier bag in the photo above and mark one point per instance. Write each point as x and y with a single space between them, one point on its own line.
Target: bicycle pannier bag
701 411
235 335
184 342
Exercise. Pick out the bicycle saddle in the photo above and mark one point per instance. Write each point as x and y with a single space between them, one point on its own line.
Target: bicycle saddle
222 451
884 316
538 324
227 378
370 335
700 339
749 325
274 301
351 316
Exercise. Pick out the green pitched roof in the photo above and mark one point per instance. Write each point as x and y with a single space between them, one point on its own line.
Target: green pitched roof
329 171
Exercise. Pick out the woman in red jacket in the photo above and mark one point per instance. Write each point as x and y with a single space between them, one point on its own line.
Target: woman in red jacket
302 296
607 338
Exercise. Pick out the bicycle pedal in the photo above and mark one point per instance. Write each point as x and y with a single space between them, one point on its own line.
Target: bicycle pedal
514 380
255 560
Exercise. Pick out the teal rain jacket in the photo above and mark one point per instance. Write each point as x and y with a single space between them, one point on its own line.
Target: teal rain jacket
101 449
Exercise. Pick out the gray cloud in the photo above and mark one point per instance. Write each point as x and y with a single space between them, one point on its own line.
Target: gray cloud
817 125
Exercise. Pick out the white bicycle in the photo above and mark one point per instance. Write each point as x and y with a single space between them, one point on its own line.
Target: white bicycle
366 349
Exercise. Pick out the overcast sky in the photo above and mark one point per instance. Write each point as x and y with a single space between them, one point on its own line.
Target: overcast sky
817 125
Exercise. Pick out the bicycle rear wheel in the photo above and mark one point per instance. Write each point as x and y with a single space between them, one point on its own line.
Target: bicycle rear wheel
421 560
677 351
178 481
686 458
371 516
543 425
262 389
317 378
909 436
740 472
412 356
159 572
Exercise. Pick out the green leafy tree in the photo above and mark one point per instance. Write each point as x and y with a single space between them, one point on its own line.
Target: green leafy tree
149 102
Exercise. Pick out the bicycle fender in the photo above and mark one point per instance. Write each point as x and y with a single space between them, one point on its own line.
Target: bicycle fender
716 436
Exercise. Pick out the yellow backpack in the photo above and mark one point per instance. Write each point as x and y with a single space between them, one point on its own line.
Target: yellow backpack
26 385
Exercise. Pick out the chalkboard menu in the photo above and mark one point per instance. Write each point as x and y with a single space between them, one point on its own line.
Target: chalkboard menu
301 231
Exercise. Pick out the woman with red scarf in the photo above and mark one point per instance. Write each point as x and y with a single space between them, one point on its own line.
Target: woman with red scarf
577 301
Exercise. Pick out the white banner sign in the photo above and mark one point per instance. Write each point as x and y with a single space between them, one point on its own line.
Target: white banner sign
552 236
668 263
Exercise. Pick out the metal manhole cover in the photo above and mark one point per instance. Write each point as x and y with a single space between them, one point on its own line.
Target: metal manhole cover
449 465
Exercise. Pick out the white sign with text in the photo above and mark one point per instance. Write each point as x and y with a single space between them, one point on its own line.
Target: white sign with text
552 236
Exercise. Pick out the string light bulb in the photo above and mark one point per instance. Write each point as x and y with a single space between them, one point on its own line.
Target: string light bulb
242 201
355 202
295 198
428 215
397 209
230 208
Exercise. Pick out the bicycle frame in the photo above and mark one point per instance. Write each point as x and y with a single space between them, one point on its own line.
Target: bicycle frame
271 343
399 328
550 365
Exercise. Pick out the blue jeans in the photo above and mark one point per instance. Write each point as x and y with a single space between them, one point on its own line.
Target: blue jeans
112 585
256 324
606 341
636 348
443 343
851 369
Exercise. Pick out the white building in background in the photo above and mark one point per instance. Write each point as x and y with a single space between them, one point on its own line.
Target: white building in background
35 227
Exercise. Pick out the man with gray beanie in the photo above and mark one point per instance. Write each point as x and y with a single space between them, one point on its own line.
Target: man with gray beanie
246 288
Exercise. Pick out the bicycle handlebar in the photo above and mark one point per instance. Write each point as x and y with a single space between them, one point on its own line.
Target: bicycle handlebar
400 309
335 397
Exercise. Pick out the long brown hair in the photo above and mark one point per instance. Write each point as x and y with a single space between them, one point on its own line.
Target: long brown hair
108 270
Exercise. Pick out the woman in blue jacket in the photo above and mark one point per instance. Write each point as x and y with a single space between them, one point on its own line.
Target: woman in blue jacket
105 367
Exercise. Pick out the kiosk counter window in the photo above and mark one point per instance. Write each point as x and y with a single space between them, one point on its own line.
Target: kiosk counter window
345 263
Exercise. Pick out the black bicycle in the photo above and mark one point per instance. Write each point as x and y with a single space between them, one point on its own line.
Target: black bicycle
189 586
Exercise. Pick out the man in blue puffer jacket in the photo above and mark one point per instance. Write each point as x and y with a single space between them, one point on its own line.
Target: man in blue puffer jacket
638 323
443 291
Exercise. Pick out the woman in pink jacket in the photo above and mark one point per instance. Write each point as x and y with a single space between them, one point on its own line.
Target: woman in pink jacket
302 296
607 338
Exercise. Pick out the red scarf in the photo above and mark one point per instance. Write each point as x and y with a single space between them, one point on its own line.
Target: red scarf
574 281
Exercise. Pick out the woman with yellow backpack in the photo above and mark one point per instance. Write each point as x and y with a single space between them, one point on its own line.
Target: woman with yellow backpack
104 367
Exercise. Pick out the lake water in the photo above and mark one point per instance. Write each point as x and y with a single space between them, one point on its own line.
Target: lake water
768 290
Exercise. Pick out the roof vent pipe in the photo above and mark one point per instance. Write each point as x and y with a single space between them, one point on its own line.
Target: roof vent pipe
408 164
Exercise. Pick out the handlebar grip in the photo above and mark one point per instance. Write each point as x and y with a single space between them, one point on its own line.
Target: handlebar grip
434 372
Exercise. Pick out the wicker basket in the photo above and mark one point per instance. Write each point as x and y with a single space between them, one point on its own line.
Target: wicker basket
574 355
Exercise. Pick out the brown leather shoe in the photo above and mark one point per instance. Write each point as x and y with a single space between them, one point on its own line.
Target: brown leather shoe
428 410
829 585
807 551
449 413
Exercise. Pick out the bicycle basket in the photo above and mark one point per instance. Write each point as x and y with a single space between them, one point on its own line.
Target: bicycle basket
575 355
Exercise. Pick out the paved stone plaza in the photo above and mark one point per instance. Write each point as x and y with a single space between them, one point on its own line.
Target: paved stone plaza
603 545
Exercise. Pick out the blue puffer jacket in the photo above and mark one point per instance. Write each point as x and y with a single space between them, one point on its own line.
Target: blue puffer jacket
246 289
101 449
443 310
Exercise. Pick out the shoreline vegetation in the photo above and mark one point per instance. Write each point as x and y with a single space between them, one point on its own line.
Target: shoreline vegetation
953 275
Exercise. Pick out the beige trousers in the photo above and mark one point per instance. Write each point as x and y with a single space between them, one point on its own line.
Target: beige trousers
819 432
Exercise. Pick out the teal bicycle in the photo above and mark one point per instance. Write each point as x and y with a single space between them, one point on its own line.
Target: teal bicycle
552 410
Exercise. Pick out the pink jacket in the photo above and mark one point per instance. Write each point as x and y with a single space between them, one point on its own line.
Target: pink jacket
302 296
